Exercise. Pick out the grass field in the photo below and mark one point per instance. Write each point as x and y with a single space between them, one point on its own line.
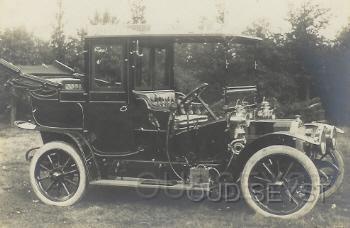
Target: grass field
123 207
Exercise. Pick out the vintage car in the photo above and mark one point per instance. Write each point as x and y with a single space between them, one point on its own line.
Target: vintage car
250 121
122 123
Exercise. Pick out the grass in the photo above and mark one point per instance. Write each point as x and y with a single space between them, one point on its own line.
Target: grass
122 207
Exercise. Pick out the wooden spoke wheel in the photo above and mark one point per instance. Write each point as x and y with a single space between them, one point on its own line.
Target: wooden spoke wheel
57 174
280 181
331 169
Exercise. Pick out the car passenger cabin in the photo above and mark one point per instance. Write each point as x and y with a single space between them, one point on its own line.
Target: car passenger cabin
131 85
124 99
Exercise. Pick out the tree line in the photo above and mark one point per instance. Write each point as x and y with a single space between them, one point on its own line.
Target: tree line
299 69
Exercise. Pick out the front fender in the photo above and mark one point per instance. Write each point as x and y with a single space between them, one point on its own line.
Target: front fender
293 135
329 127
291 139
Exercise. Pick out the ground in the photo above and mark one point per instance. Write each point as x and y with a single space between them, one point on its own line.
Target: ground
123 207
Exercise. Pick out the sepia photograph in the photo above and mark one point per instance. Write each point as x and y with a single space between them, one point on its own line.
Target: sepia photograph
174 113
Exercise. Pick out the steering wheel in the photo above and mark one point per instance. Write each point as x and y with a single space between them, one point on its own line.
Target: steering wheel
195 93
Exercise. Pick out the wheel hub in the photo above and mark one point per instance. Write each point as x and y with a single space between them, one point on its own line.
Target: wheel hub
56 175
279 183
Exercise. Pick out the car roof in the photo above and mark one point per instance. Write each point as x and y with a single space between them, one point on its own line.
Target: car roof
110 31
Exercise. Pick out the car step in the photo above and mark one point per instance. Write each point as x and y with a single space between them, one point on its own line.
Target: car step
159 182
149 183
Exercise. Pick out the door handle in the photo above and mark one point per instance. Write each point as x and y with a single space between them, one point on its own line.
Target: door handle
124 108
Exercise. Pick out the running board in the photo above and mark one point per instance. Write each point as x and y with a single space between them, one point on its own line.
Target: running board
148 183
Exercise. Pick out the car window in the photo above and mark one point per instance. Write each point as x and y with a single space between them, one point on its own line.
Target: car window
107 68
160 77
151 71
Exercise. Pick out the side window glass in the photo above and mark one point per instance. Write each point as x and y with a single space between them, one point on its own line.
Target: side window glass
143 79
151 69
107 68
160 80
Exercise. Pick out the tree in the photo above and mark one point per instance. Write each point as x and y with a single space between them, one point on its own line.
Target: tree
304 43
337 81
307 22
21 47
42 52
343 39
220 8
58 38
272 78
138 9
75 47
103 19
280 69
75 50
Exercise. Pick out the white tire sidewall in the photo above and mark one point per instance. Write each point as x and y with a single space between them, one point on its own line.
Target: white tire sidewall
77 159
302 159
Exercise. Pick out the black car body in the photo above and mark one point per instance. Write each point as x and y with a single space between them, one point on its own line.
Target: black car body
131 127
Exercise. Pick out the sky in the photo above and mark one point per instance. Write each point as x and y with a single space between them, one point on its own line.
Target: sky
38 16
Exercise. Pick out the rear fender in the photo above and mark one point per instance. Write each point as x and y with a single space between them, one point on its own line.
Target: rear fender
77 140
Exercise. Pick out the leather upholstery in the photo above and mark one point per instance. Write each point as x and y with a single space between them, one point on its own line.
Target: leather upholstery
160 100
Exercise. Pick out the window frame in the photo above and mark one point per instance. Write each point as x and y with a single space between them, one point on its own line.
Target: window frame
92 63
168 64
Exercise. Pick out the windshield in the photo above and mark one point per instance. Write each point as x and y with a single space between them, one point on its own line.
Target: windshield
219 64
192 63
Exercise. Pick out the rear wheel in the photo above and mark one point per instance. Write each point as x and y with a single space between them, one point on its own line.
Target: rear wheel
280 181
58 174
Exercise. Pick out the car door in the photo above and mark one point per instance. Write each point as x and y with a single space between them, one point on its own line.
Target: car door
109 121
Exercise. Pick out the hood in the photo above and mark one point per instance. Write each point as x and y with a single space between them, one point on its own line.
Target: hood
266 126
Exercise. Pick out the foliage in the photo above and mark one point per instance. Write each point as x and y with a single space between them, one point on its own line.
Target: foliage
336 81
310 110
21 47
58 38
292 66
220 9
103 19
4 94
76 50
305 44
137 8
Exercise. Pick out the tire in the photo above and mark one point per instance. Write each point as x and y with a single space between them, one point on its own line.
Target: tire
69 177
333 186
293 160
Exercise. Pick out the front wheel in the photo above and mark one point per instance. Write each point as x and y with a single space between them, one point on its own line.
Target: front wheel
331 170
280 181
58 174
